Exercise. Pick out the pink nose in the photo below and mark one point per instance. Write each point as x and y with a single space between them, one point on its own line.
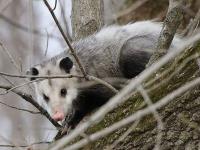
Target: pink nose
58 116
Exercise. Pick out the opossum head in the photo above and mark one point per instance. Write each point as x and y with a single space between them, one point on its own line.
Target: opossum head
56 94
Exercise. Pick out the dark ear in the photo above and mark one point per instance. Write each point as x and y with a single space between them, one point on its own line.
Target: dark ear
66 64
33 71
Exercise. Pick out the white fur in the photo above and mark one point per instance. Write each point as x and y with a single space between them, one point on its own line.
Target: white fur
53 91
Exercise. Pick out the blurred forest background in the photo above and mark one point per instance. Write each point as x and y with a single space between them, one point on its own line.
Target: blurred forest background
28 35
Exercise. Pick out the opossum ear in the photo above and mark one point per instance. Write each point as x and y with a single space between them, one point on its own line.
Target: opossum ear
33 71
66 64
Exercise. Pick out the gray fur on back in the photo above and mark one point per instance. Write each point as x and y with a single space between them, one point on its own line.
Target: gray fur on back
100 52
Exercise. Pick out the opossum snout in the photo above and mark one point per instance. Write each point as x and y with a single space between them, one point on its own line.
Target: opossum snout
58 116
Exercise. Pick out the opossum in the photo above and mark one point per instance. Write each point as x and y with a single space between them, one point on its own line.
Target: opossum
114 51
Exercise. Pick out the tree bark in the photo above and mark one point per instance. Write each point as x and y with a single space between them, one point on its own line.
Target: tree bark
171 23
87 17
181 117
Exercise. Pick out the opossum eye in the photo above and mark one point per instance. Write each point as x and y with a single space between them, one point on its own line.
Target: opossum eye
33 71
46 98
63 92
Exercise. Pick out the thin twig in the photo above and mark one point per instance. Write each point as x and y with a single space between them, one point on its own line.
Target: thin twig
122 137
40 77
169 76
156 115
66 39
14 146
168 70
47 43
103 83
18 86
10 142
26 110
8 80
55 5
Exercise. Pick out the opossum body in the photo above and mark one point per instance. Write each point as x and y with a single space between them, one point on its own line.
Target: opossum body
115 51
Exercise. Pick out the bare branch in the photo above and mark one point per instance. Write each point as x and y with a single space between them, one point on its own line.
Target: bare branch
10 142
176 71
57 76
8 80
18 86
66 39
47 43
121 138
103 83
155 113
171 23
40 77
55 5
21 109
35 143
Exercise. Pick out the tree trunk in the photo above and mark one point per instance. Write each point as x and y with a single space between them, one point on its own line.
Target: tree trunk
87 17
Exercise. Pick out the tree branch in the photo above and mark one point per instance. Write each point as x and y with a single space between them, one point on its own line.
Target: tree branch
14 146
171 23
21 109
40 77
66 39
